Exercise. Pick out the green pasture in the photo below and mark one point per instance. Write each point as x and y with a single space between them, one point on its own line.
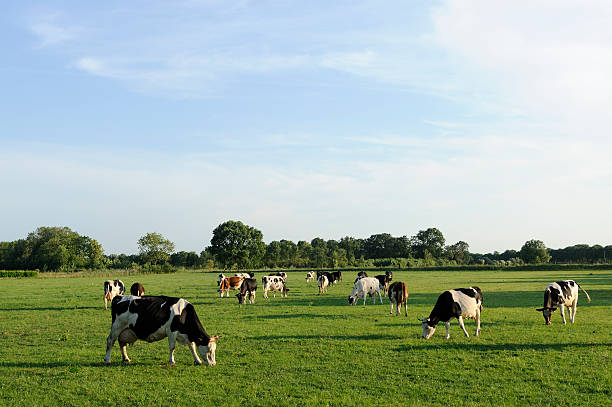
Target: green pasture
310 349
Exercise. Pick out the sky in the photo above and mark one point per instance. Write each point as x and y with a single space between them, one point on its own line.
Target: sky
488 120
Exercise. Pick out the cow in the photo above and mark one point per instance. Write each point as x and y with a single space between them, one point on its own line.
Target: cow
245 275
230 283
398 294
310 276
384 280
153 318
360 275
274 283
137 289
561 294
112 288
364 287
337 275
323 283
458 303
247 290
332 278
220 278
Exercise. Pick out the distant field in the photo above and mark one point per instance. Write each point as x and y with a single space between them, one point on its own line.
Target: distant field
311 349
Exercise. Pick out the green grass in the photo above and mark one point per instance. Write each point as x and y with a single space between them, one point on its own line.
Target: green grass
310 349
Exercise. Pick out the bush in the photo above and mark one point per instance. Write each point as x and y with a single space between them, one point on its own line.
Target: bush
18 273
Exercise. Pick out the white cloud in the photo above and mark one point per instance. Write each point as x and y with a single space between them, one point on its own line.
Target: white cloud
50 31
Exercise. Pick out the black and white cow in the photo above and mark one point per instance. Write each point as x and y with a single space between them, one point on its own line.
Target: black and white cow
247 291
561 294
245 275
323 283
363 287
360 275
310 276
274 283
280 274
154 318
112 288
332 278
384 280
458 303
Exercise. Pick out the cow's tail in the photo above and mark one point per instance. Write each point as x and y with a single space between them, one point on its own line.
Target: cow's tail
585 293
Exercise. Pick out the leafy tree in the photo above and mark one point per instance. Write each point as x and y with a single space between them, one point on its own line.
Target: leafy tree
154 248
459 252
233 242
430 240
318 256
272 258
534 251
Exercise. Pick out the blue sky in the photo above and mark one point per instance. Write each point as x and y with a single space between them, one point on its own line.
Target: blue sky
489 121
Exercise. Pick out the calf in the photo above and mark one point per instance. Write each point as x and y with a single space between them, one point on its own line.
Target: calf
458 303
398 294
154 318
364 287
230 283
561 294
310 276
247 289
137 289
274 283
323 283
112 288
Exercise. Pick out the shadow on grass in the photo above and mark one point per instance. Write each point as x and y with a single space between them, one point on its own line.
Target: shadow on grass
482 347
66 308
33 365
364 337
291 316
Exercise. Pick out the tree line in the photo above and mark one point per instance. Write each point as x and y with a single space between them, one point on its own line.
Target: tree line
235 245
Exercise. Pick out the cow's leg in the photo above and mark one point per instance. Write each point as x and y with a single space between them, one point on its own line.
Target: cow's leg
171 346
379 296
447 329
574 308
477 323
364 298
105 307
124 355
110 341
562 307
406 307
391 307
460 319
194 352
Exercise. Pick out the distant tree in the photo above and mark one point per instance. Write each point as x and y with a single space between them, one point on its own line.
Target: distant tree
288 253
318 255
534 251
154 248
428 243
233 242
459 252
272 258
352 246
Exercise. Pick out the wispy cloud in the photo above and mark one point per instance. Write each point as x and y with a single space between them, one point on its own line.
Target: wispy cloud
51 31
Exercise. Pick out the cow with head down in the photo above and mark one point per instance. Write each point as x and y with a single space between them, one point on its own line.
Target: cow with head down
154 318
458 303
561 294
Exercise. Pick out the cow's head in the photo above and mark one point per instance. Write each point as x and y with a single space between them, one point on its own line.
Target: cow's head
240 298
428 328
352 299
547 313
208 351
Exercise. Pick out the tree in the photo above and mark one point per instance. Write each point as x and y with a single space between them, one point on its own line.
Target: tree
534 251
459 252
430 240
154 248
233 242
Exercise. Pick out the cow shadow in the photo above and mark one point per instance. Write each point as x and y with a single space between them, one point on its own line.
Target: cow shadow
47 365
333 337
485 347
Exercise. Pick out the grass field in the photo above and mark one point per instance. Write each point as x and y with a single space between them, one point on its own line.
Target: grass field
310 349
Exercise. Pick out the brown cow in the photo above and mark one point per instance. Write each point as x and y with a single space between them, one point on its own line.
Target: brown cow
398 294
230 283
137 289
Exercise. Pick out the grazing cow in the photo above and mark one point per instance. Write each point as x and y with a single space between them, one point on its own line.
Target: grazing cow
280 274
154 318
384 280
112 288
274 283
458 303
137 289
398 294
323 283
364 287
230 283
247 290
245 275
220 278
310 276
561 294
